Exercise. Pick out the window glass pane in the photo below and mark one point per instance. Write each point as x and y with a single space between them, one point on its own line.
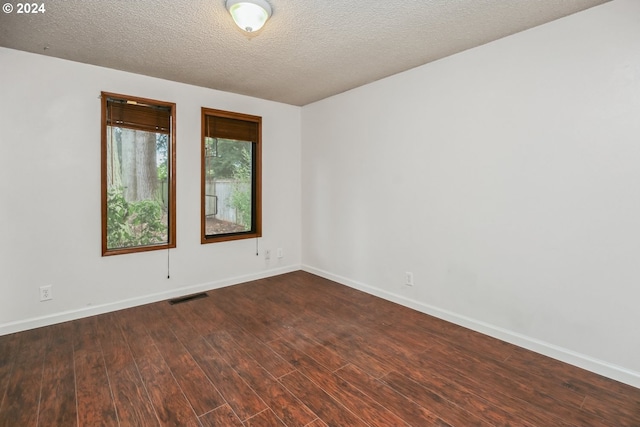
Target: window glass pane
137 188
228 178
230 181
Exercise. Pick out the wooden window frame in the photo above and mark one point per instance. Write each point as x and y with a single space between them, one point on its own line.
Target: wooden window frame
256 231
171 172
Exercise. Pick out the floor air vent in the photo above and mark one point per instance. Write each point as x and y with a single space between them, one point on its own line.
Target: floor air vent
188 298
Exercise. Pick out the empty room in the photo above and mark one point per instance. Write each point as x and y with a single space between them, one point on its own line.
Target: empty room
306 213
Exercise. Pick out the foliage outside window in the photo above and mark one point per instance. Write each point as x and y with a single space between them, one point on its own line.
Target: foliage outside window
138 178
231 160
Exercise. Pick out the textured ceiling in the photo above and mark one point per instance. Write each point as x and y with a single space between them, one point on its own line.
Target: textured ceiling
307 51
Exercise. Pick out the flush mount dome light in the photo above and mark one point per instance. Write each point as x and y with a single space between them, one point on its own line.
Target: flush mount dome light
250 15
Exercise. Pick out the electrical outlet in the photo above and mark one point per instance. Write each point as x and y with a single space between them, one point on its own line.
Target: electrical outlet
45 293
408 278
267 254
279 253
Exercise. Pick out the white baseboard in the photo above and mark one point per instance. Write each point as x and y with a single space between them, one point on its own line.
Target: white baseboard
65 316
600 367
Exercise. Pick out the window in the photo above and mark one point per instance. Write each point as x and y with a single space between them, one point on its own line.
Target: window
138 174
231 182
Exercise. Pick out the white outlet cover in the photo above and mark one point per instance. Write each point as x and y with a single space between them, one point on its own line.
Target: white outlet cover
409 278
46 293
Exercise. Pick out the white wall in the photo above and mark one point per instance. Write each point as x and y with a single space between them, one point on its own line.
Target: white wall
50 194
506 178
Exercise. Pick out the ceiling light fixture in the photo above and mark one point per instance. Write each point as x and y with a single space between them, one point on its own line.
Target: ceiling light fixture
250 15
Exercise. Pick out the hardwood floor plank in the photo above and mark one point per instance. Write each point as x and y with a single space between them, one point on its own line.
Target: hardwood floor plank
445 409
94 396
265 418
369 410
222 416
20 405
240 397
305 343
114 347
132 325
511 386
511 377
85 337
132 402
273 306
198 318
406 409
286 406
9 346
321 403
169 317
343 302
605 398
489 388
467 398
620 412
248 315
131 399
345 340
571 376
195 385
58 395
170 404
261 352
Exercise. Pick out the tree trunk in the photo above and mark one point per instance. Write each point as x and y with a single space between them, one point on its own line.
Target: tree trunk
146 168
114 170
129 181
139 169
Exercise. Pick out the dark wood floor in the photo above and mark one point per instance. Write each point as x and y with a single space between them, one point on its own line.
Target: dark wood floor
294 350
